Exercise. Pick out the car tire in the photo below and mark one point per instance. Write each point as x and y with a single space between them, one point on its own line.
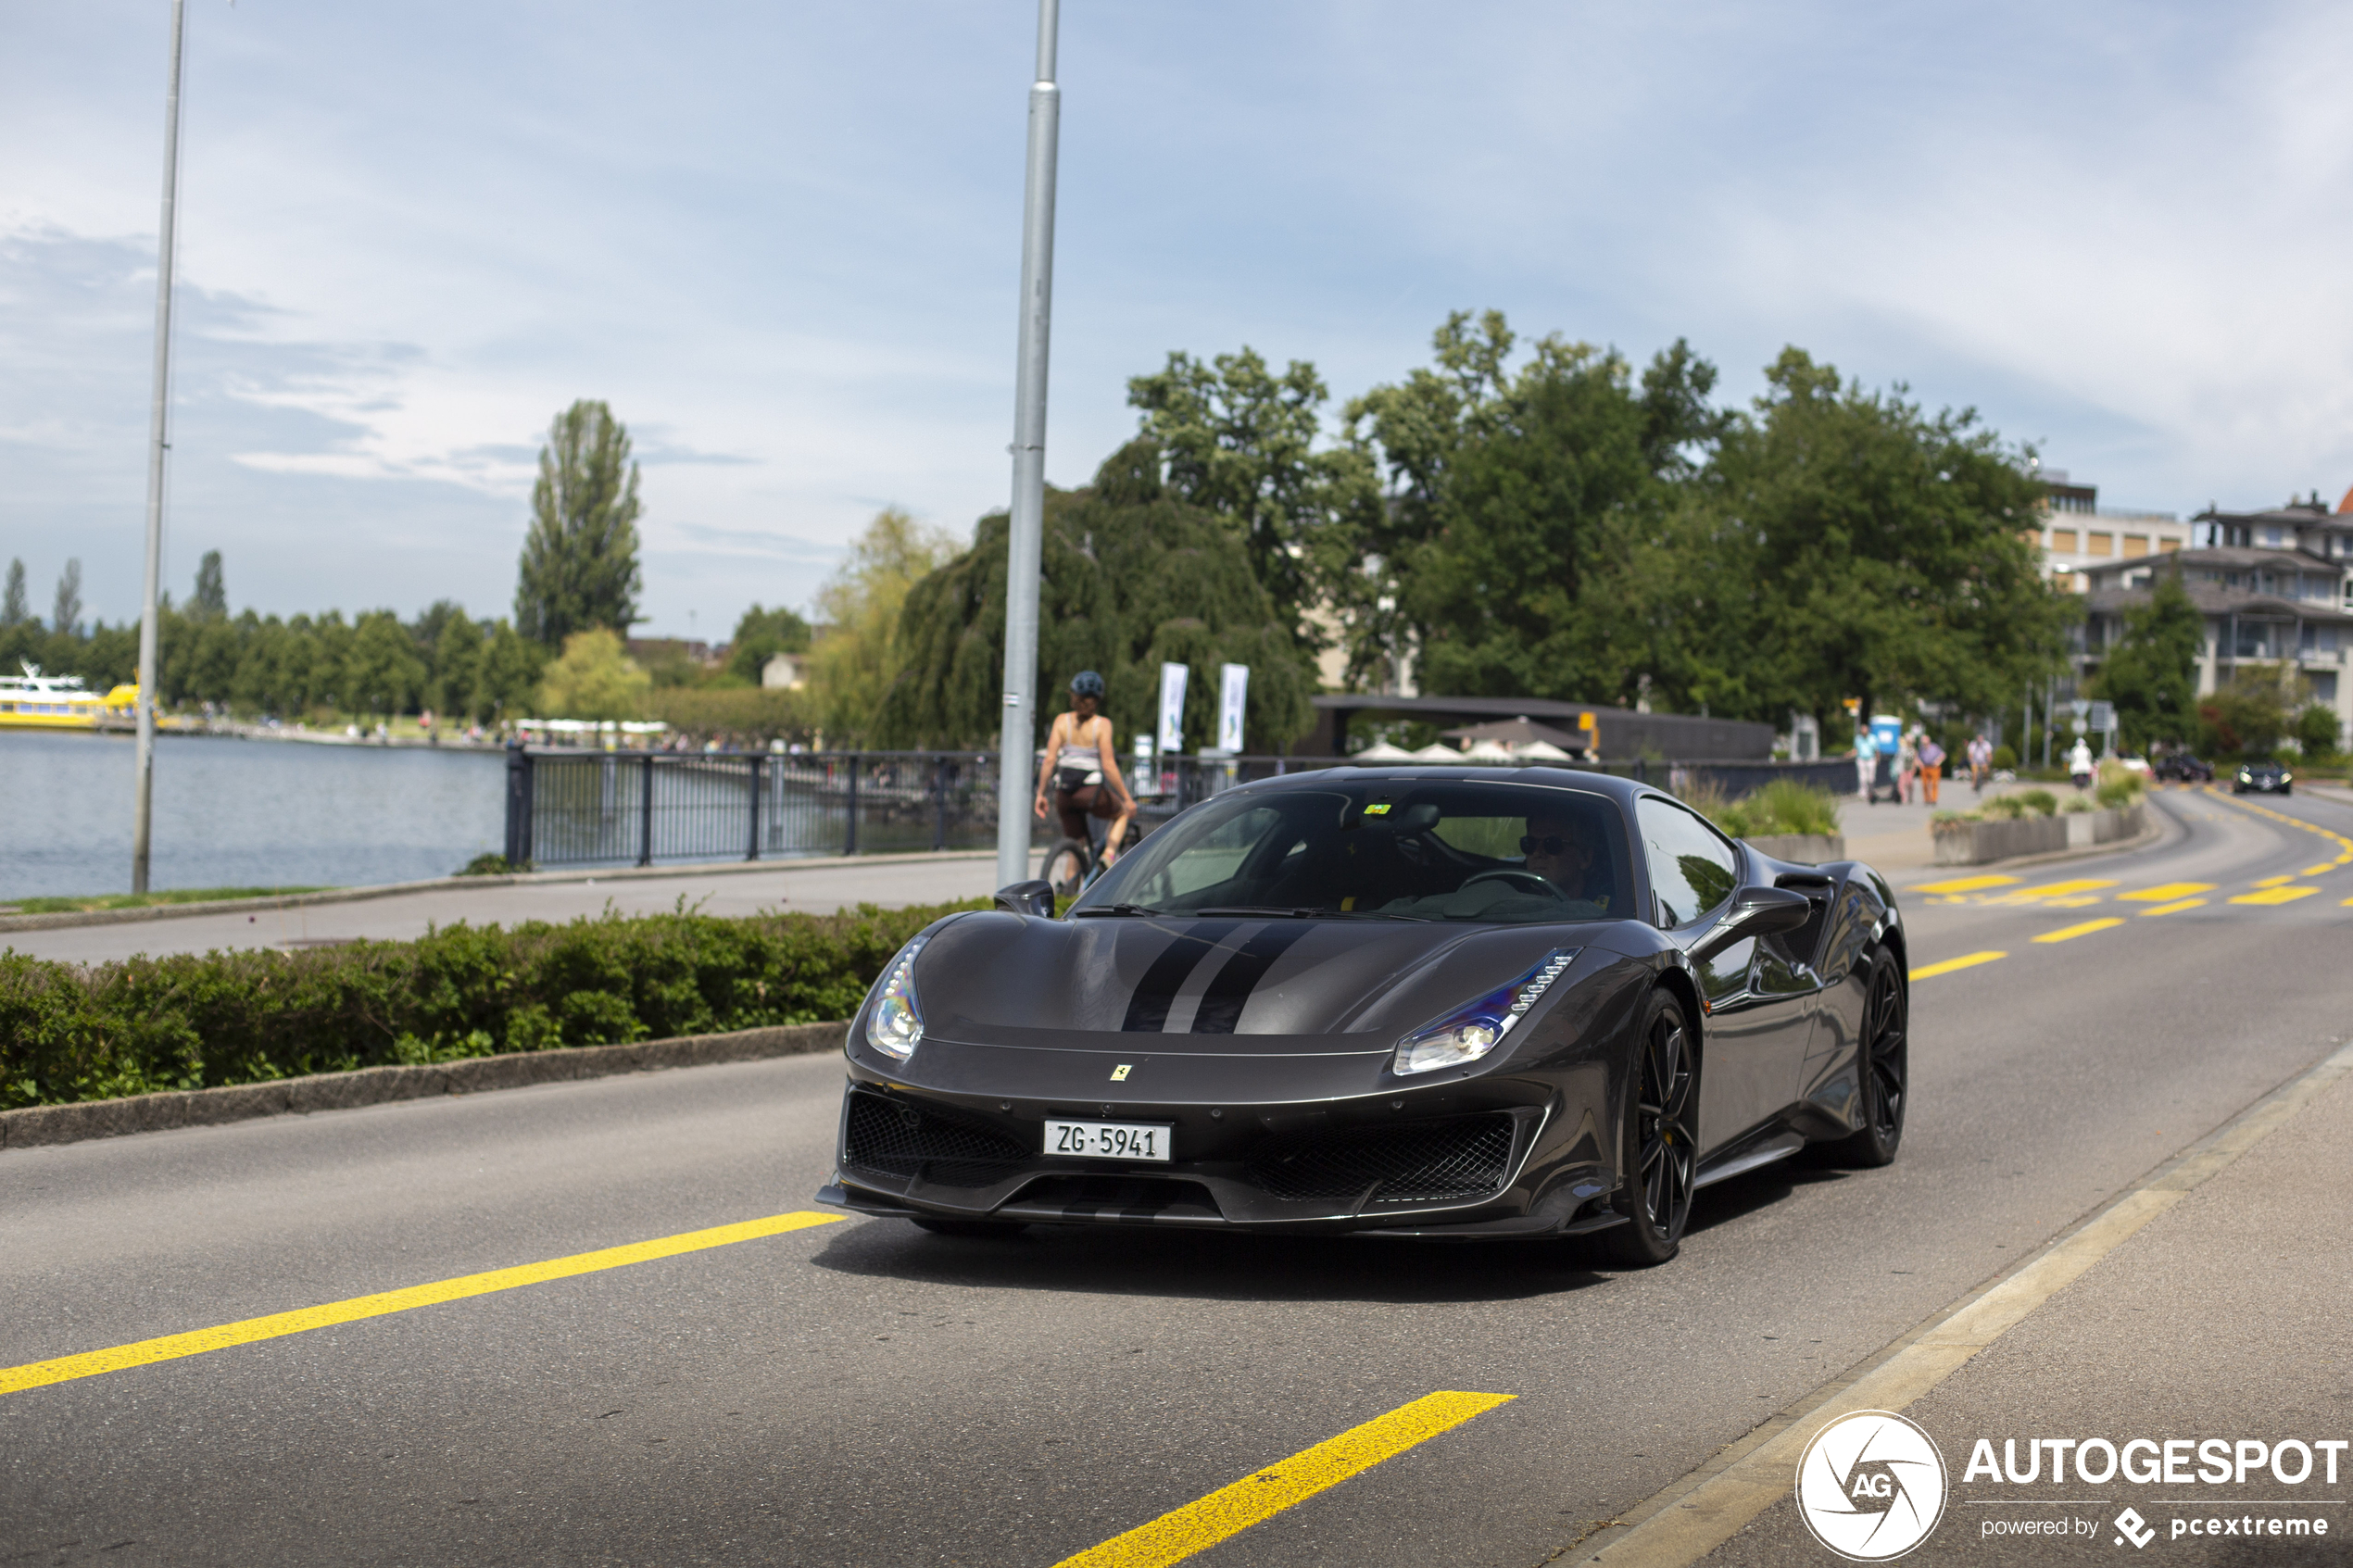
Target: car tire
1658 1149
986 1228
1883 1064
2288 789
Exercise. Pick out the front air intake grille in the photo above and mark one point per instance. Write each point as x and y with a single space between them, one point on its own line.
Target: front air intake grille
906 1140
1466 1157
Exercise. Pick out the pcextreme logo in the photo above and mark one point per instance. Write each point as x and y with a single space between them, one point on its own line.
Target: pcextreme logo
1870 1485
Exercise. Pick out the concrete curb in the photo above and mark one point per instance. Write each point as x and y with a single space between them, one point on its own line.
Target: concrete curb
2151 829
37 1125
444 884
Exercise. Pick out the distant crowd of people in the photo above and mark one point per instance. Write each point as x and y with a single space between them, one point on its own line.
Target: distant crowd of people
1914 767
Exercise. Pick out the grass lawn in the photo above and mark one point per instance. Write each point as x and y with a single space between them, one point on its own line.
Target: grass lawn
142 900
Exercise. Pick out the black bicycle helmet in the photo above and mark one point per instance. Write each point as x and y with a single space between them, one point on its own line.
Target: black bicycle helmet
1087 683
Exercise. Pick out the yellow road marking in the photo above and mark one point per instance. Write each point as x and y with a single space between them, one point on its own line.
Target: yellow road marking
1966 884
2081 900
2060 889
2322 868
2276 896
1229 1510
170 1347
2176 908
1970 961
2273 881
2070 933
2167 891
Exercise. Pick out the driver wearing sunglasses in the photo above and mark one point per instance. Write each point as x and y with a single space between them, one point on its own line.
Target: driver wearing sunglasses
1556 854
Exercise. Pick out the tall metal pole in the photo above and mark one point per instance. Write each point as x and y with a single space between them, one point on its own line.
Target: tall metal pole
158 444
1015 782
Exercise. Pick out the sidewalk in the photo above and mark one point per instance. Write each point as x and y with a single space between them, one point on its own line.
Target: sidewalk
822 888
2223 1318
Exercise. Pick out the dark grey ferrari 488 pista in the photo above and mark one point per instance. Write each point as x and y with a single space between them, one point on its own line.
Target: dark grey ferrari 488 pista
1415 1001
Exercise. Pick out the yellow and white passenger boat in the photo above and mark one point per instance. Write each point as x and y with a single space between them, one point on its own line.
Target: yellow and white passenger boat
34 701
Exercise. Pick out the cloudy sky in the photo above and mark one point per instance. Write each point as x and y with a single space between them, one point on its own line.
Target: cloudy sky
782 239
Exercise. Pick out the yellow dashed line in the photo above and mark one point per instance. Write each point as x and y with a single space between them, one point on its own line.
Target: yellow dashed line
2321 870
2176 908
2270 882
1229 1510
1966 884
2070 933
2276 896
2060 889
89 1363
2167 891
1930 972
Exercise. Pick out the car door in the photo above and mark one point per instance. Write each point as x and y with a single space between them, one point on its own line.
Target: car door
1755 1029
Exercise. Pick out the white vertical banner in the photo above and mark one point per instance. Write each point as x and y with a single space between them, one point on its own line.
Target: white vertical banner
1172 707
1233 697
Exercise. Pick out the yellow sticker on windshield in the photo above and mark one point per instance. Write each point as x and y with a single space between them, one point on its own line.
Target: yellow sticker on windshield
1377 808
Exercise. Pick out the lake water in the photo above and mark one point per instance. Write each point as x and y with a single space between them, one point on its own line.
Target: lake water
240 813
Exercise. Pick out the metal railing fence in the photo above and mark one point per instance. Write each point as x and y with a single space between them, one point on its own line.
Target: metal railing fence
570 808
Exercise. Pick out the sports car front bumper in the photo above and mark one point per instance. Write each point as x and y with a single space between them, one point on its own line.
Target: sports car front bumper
1497 1157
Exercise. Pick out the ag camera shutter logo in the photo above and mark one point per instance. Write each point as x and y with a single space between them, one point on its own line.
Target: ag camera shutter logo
1870 1485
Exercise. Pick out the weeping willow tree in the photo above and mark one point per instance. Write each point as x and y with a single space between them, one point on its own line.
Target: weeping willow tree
1132 578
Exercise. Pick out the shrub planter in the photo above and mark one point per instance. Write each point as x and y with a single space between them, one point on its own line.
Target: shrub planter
1802 849
1975 844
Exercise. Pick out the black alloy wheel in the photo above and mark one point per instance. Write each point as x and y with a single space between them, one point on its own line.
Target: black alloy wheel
1884 1063
1660 1149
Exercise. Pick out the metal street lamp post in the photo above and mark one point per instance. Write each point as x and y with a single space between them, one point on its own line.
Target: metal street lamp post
1027 530
142 810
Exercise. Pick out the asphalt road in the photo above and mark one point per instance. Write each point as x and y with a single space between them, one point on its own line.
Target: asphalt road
860 1392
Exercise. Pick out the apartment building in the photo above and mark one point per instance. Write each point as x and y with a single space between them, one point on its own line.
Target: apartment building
2274 586
2077 536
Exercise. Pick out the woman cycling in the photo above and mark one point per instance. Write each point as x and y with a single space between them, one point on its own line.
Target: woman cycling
1084 769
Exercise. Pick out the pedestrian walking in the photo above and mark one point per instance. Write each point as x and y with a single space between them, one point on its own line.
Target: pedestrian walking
1866 764
1981 761
1932 759
1908 762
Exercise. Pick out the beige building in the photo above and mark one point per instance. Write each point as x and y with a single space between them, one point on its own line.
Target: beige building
2079 537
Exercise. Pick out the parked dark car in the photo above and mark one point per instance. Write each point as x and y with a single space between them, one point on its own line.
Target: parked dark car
2181 768
1424 1002
2263 778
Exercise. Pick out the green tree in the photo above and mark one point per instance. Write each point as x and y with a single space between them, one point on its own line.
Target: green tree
2151 673
580 558
1132 576
1891 551
858 656
761 635
457 666
1238 442
2317 732
2246 718
65 616
381 674
14 610
508 675
210 601
593 678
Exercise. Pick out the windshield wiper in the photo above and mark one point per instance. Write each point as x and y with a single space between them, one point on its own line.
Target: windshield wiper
1264 911
1114 909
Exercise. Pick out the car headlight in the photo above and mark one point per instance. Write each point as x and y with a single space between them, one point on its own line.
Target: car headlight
895 1022
1473 1030
2285 775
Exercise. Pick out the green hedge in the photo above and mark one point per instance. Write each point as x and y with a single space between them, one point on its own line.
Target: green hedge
189 1021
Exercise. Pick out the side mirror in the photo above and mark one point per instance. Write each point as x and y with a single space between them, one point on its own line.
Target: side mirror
1755 912
1037 898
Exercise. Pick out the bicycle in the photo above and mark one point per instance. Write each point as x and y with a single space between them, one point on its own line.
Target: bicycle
1072 865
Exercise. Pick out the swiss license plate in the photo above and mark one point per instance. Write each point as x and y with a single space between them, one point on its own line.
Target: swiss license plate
1109 1140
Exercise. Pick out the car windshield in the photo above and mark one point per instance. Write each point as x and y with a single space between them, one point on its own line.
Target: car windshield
1383 850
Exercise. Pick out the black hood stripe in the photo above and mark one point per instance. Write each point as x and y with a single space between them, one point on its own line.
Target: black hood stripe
1147 1009
1221 1005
